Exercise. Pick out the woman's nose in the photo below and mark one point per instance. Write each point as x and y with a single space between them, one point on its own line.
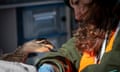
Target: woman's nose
79 11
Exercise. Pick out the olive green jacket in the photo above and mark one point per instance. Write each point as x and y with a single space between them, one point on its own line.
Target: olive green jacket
109 63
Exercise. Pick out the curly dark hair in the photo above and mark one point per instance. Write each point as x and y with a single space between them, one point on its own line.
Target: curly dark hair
103 18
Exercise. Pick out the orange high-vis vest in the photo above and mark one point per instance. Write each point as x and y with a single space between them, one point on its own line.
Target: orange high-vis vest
87 59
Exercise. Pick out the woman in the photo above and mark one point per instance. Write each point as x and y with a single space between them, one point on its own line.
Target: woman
95 42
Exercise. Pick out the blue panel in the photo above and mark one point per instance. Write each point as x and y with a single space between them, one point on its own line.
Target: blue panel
43 21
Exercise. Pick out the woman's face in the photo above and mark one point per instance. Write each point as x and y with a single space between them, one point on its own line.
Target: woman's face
81 9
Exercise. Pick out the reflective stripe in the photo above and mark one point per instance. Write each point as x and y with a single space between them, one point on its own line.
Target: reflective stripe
110 44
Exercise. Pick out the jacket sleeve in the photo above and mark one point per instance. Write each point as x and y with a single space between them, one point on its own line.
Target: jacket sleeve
65 58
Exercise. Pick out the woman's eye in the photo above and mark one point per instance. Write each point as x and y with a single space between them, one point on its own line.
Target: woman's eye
75 2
